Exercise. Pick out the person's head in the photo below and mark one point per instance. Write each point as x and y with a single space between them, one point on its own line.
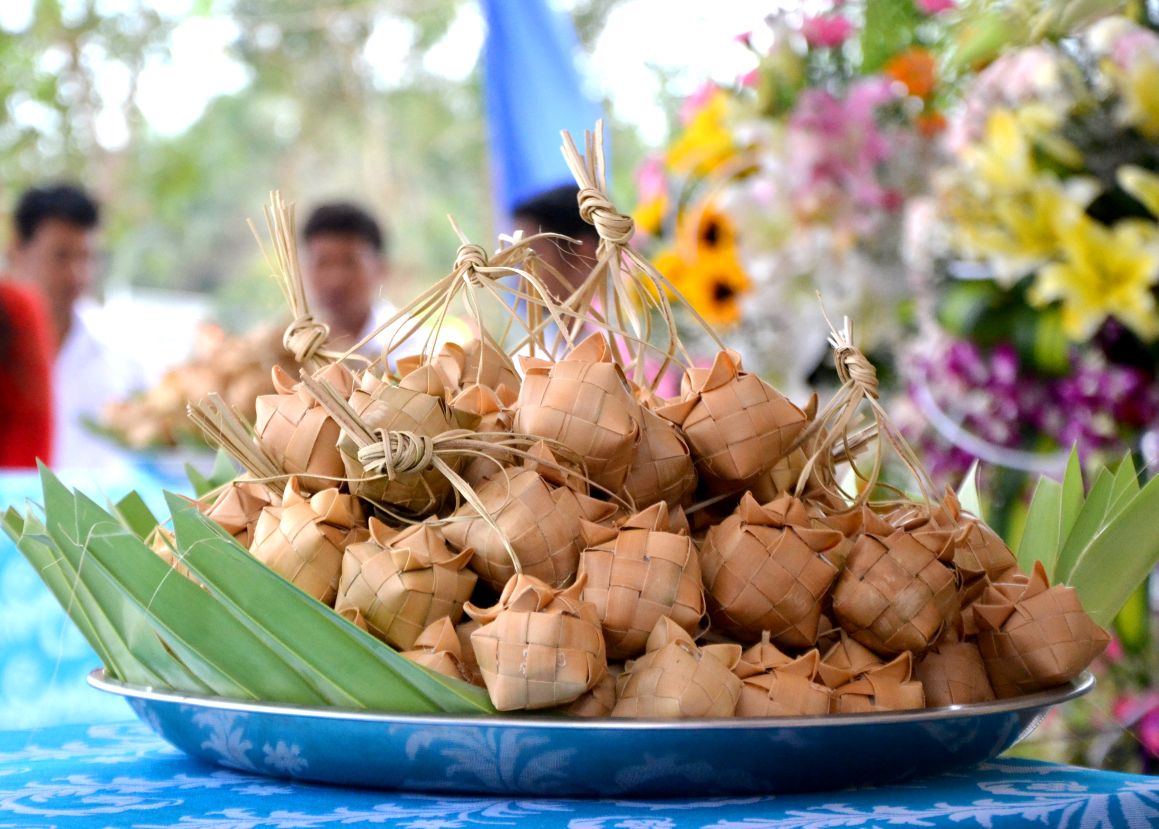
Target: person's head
557 211
54 245
345 264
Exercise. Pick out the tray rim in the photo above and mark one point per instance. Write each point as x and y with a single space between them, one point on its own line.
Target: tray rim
1077 687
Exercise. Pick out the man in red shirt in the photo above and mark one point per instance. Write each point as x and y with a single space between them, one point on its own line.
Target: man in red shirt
54 248
25 378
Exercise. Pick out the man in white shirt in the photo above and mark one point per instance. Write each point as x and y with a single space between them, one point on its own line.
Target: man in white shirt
54 245
344 268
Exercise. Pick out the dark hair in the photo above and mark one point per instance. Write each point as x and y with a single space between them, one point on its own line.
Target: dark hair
555 211
64 202
347 219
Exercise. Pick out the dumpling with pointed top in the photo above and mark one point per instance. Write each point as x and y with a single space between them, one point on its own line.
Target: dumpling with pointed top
303 538
536 509
777 685
583 402
898 591
888 687
417 404
539 647
675 678
637 573
766 568
1033 635
439 648
738 426
403 580
297 433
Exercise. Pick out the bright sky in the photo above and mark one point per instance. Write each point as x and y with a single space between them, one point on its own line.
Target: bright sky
690 40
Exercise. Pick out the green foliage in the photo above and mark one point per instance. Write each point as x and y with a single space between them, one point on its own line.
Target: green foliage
890 27
239 631
1103 543
314 119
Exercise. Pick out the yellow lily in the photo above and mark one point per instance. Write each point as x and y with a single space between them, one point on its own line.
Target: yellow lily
1105 272
706 142
1142 184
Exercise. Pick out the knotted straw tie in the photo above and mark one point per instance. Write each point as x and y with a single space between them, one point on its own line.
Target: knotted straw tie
469 258
595 209
851 364
398 453
305 337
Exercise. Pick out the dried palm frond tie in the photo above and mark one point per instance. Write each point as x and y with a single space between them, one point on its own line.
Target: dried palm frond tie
535 514
398 471
303 539
1033 635
224 427
538 647
403 581
476 277
623 290
766 568
305 338
645 570
677 679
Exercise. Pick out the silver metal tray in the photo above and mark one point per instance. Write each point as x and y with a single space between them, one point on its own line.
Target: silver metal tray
556 757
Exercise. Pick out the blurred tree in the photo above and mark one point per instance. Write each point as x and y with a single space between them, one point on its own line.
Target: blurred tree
378 101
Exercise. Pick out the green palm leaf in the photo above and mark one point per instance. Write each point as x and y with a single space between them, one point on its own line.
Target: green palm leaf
347 664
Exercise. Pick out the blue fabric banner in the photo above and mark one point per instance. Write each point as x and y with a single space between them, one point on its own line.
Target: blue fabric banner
533 90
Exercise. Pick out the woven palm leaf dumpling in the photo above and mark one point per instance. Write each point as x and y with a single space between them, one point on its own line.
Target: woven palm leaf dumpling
524 512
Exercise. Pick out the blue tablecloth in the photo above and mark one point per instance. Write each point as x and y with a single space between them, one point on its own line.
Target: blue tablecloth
43 657
120 775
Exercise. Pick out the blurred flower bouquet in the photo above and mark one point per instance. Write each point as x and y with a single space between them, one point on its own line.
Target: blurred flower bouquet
795 181
1044 239
1047 244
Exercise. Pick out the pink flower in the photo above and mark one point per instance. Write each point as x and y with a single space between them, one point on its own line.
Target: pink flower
651 182
1149 731
750 79
696 101
1114 651
826 30
934 6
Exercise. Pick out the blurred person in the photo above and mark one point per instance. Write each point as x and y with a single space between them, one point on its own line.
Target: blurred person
344 271
557 211
53 247
26 346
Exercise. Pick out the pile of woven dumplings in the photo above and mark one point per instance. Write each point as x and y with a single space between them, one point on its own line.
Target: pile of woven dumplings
633 556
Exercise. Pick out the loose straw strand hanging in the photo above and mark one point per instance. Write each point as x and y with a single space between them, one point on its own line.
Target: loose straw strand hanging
305 337
859 384
223 426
